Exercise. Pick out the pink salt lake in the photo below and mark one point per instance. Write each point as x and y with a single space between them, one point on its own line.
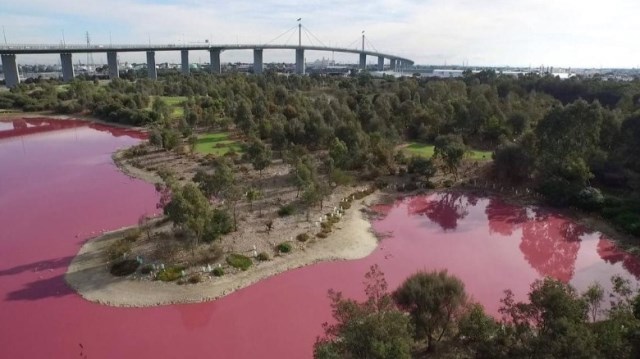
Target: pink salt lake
59 187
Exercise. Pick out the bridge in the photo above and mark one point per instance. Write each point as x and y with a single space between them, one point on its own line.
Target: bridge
10 66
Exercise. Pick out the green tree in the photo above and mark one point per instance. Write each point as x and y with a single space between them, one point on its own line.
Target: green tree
567 138
422 167
435 300
189 209
553 324
218 182
449 149
252 195
374 329
259 155
513 162
219 224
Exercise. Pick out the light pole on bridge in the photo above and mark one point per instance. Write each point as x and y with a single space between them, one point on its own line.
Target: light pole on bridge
299 32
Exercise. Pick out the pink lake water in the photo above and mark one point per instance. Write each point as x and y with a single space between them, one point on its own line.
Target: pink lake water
59 186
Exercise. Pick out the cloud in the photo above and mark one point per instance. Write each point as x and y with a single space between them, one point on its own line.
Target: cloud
482 32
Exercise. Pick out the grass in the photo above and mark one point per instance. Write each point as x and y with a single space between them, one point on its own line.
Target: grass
424 150
175 104
217 144
170 274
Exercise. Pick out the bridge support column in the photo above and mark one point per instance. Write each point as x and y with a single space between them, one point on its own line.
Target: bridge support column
112 62
10 69
380 63
214 59
300 70
392 64
363 61
257 61
67 67
184 55
152 72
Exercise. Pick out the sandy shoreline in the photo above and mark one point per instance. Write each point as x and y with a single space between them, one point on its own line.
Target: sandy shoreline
89 275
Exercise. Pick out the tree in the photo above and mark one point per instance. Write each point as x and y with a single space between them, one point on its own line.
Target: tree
513 162
449 149
219 224
374 329
631 142
259 155
170 139
339 152
218 182
422 167
190 209
252 194
553 324
593 296
160 106
567 138
303 174
434 300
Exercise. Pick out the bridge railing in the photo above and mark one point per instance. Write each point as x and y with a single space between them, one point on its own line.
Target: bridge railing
61 48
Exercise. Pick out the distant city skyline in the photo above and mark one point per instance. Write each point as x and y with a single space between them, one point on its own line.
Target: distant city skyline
560 33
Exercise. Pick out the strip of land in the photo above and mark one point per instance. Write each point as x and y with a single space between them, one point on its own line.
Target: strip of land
89 274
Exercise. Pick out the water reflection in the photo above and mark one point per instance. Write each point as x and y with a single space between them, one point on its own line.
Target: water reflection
29 126
611 254
504 219
550 245
445 209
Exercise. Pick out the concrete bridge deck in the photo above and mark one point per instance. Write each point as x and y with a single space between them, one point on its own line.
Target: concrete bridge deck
10 68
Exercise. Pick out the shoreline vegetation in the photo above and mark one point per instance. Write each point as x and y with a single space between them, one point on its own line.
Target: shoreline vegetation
249 168
89 275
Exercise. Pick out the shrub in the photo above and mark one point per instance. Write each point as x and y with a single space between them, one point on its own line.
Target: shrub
284 247
133 235
263 256
322 235
218 272
135 151
239 261
118 249
170 274
421 166
124 267
590 199
341 178
302 237
146 269
286 210
196 278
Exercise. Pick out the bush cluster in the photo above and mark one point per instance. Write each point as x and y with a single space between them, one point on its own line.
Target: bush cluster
124 267
239 261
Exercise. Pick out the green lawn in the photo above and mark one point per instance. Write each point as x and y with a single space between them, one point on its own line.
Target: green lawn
175 104
217 144
424 150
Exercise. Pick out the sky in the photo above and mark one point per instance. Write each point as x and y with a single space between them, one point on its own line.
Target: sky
559 33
